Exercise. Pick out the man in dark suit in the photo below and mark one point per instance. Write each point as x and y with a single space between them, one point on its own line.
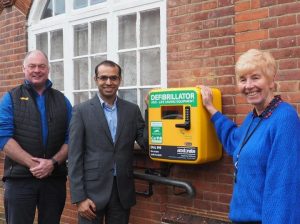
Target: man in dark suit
103 131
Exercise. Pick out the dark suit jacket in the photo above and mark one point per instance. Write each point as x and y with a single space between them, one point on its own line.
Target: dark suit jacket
92 152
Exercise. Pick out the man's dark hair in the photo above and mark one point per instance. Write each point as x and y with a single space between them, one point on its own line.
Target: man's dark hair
110 64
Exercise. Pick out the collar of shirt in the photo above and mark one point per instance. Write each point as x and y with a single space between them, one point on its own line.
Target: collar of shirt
106 105
111 116
30 86
270 108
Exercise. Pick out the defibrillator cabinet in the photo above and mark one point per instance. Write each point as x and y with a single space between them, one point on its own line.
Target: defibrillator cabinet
180 130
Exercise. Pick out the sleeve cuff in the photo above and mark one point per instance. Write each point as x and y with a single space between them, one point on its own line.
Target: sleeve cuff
216 116
3 141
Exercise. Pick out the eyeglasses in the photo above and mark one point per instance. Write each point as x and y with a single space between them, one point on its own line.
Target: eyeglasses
104 78
33 66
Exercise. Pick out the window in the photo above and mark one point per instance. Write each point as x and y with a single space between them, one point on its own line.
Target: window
139 52
54 49
77 4
53 8
90 48
77 35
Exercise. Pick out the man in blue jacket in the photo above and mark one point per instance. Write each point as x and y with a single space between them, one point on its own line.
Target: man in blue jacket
34 121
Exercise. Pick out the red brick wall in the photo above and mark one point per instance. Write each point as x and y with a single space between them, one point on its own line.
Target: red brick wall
276 28
203 41
201 51
12 47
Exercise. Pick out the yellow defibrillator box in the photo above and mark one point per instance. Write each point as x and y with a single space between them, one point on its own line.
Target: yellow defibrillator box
180 129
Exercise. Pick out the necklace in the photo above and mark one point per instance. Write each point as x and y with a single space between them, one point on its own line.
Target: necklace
265 114
245 140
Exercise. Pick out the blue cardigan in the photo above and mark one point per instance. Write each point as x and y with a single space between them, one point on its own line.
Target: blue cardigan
268 178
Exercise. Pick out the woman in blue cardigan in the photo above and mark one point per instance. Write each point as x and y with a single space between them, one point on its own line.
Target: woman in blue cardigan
265 147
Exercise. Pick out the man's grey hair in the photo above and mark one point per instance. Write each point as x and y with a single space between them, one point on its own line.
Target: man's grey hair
35 51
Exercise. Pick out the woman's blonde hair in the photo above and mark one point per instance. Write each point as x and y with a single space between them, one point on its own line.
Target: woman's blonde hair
256 59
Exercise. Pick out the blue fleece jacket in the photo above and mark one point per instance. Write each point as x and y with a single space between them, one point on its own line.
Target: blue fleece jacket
6 116
267 187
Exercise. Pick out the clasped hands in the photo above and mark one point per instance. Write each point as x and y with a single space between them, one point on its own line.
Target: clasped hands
41 168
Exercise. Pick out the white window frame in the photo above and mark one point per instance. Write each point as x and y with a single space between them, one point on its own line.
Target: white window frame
109 11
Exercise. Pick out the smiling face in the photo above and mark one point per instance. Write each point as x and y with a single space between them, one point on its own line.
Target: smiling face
108 81
257 89
255 72
36 69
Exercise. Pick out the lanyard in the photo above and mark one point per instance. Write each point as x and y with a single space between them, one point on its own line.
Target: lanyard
245 140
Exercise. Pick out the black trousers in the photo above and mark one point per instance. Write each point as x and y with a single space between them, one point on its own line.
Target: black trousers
113 213
23 195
